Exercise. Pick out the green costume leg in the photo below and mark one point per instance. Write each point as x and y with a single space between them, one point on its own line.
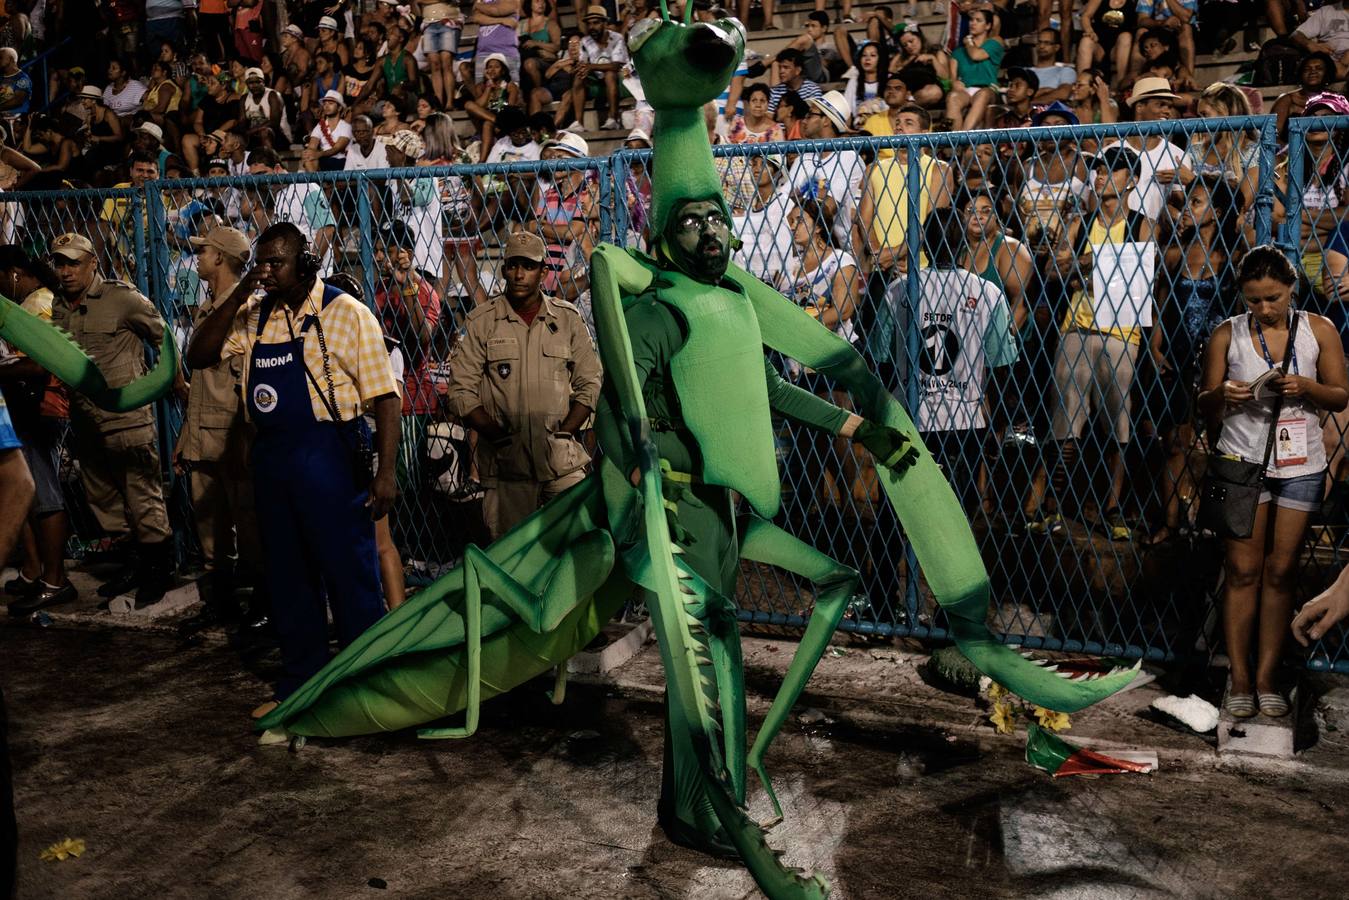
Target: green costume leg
541 612
767 543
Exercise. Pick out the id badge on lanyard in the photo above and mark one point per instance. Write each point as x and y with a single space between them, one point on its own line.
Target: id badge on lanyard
1290 442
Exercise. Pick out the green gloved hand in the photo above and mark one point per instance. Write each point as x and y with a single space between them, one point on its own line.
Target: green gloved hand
890 447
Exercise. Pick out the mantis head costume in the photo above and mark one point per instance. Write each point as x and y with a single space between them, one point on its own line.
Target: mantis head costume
658 514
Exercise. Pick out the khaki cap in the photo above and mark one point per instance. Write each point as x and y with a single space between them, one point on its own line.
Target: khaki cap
229 241
72 246
526 245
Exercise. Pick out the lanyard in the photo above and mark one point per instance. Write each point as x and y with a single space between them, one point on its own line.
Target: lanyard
1264 348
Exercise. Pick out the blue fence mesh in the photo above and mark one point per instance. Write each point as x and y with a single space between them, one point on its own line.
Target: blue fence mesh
1047 348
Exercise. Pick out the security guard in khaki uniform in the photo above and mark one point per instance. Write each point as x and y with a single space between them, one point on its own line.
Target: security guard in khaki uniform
213 445
526 378
117 452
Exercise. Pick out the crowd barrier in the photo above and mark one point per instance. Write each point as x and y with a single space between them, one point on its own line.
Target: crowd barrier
1020 421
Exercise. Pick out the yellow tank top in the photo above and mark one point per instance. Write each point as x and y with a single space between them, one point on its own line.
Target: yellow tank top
1081 312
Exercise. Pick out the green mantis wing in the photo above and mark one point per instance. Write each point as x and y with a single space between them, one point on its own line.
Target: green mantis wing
52 348
934 523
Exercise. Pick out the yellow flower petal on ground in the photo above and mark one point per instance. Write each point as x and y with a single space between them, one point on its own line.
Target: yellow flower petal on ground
996 692
1051 720
1002 717
63 849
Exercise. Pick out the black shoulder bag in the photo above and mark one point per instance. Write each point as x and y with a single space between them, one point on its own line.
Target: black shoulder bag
1230 492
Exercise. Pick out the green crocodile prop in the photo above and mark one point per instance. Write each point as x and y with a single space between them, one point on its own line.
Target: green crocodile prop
53 349
538 595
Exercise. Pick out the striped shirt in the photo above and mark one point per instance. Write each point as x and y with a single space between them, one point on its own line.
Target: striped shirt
807 90
357 358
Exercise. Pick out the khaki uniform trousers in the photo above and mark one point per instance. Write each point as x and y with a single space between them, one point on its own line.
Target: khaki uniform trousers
222 501
123 480
505 502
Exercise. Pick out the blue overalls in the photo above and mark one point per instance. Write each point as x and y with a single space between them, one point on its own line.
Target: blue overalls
317 536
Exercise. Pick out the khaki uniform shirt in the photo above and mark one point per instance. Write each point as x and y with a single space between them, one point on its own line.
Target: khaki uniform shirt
213 405
526 377
112 322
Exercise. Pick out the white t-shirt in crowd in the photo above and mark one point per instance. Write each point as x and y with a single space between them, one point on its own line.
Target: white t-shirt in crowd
766 243
421 210
1055 76
306 206
613 50
128 102
965 329
1328 25
504 151
842 172
815 289
342 130
1149 195
359 162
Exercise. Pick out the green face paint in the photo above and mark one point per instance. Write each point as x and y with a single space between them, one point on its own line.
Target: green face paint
699 240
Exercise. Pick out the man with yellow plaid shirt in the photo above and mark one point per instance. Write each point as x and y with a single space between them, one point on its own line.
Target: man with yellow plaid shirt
312 360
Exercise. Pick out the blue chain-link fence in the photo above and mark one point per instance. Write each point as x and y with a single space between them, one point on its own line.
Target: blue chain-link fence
1047 341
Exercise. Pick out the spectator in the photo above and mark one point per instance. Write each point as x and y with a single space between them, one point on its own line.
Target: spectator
303 204
787 76
510 192
327 80
497 21
977 59
1234 155
756 126
316 509
118 452
1176 17
390 119
329 41
1315 72
16 88
442 24
1107 40
105 134
1091 101
147 138
358 73
232 150
1098 347
262 110
45 143
217 112
1152 101
142 167
883 209
604 54
995 256
248 38
967 334
864 88
425 108
1325 186
540 41
1193 298
162 98
820 57
327 150
564 206
495 93
1327 31
163 23
824 277
927 70
831 177
1259 570
558 79
790 114
213 449
124 94
1055 77
416 203
1054 184
526 403
1015 109
213 25
295 56
365 152
39 414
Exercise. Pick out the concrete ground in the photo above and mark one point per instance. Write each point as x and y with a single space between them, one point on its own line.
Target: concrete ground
140 746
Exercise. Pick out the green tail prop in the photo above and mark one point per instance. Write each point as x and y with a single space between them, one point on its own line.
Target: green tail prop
53 349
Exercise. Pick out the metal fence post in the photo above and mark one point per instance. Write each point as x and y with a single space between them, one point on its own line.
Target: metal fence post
606 172
366 237
138 213
1297 174
913 343
1264 192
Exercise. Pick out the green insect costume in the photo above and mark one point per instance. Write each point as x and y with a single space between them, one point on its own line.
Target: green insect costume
51 348
684 421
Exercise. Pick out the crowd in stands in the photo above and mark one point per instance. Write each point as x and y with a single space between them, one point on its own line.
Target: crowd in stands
1082 349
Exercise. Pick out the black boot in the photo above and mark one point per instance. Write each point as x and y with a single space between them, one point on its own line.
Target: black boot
155 573
219 605
120 582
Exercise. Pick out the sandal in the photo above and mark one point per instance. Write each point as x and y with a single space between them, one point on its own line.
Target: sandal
1273 705
1240 706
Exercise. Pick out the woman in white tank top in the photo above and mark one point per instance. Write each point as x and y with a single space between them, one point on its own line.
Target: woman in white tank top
1260 570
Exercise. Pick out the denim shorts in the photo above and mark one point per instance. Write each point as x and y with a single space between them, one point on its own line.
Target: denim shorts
437 37
1304 492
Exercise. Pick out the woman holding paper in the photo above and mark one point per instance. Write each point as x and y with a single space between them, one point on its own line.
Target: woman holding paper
1239 398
